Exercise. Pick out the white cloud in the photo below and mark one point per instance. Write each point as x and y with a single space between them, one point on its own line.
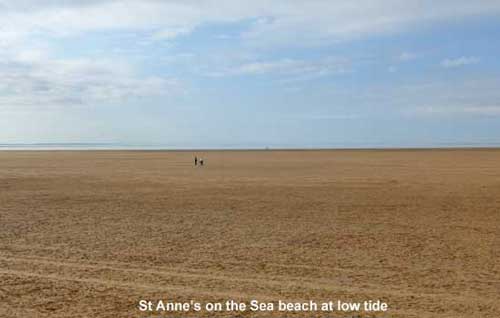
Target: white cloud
451 97
324 22
465 110
339 116
292 69
407 56
35 80
461 61
31 76
280 22
170 33
285 66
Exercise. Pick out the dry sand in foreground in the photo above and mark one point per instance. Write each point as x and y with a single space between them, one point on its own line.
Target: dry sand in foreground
89 234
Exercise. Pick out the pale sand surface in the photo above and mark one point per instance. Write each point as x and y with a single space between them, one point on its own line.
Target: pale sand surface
88 234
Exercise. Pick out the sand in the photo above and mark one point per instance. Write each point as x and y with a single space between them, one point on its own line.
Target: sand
90 233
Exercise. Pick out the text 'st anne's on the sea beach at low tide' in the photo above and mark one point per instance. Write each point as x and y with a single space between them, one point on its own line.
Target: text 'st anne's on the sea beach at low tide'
258 306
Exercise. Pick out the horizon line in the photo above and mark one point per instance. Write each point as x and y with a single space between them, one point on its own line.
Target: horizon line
109 146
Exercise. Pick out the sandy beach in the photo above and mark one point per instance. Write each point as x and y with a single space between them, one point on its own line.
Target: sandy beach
90 233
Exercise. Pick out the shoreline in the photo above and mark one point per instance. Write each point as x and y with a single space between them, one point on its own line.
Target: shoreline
76 149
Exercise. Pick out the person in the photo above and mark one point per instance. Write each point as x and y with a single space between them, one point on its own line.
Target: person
201 161
195 160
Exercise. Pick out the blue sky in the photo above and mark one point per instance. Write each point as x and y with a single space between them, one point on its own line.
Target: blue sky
250 73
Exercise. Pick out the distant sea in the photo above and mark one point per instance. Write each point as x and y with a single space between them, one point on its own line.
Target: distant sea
123 146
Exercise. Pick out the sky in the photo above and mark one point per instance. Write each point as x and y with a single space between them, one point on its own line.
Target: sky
231 73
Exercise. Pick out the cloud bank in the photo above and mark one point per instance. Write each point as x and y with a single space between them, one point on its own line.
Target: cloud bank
277 22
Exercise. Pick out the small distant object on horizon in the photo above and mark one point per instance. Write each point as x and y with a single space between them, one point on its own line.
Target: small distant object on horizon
195 160
201 161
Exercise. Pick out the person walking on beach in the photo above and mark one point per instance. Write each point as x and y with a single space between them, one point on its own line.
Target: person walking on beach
195 160
201 161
